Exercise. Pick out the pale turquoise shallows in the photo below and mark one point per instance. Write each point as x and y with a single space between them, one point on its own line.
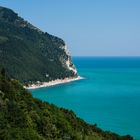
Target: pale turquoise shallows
108 96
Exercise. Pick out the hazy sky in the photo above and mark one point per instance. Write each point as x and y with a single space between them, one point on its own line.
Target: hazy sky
89 27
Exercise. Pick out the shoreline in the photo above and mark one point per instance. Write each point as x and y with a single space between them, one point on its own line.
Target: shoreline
53 83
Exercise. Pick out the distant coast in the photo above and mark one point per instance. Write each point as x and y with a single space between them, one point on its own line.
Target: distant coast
52 83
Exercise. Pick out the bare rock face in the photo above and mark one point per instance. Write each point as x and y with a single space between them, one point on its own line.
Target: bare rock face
68 62
29 54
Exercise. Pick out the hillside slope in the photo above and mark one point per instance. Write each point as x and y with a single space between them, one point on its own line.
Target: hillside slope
29 54
23 117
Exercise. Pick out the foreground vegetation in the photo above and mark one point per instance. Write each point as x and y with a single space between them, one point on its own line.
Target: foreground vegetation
23 117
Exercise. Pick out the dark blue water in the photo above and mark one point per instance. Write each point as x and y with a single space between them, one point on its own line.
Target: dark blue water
108 96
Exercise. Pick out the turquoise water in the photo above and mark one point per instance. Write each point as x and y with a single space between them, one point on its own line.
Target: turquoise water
108 96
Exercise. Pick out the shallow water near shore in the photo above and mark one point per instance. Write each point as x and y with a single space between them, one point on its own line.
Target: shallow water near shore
108 96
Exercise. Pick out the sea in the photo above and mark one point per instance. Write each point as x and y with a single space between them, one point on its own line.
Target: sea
109 94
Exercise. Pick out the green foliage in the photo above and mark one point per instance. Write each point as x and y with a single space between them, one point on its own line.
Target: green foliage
23 117
27 53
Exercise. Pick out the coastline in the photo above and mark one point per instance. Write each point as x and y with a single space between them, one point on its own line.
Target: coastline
53 83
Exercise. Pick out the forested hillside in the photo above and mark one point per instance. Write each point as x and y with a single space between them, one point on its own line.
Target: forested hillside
29 54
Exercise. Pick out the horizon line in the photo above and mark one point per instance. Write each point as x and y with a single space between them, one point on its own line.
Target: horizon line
101 56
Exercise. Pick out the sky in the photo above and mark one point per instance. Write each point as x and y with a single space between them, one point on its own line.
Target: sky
89 27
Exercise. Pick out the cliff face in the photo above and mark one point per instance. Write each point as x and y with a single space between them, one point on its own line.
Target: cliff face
29 54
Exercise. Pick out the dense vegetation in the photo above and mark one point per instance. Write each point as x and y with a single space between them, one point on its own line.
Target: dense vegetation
27 53
23 117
